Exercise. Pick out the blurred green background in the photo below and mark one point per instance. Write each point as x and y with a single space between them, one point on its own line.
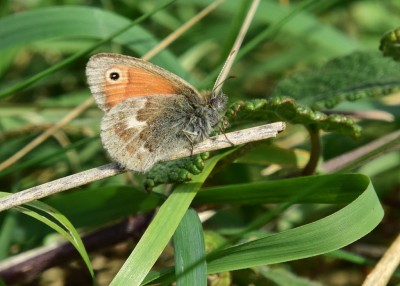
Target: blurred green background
282 56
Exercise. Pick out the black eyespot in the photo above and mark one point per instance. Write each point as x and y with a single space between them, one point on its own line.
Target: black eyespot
114 76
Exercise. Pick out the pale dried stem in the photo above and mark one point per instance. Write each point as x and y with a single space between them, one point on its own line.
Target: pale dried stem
49 132
178 32
236 46
384 269
367 152
85 177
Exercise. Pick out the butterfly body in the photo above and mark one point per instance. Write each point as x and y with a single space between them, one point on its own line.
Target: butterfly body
150 113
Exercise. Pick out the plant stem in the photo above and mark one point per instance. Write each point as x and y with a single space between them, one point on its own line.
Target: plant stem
315 151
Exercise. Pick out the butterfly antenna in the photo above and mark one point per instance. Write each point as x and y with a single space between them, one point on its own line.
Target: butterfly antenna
236 46
221 83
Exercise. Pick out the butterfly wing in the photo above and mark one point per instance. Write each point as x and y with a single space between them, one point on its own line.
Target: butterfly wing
140 132
114 78
146 109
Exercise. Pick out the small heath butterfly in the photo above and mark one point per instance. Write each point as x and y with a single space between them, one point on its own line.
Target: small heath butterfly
149 113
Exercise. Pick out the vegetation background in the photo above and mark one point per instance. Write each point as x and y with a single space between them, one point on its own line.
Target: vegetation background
314 64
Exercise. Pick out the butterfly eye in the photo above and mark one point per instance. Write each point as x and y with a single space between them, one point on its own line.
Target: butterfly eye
113 75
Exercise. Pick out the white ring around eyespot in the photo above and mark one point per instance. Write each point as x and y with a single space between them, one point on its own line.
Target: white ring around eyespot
110 71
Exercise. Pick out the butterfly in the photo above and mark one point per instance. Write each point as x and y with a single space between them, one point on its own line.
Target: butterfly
149 112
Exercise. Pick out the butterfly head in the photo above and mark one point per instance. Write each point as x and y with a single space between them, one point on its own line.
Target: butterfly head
218 101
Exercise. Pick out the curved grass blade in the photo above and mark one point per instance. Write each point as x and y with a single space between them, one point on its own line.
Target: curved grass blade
337 230
325 189
59 223
361 213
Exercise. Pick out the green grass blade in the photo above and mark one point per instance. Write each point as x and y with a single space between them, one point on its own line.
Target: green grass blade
46 157
284 277
337 189
112 203
361 213
160 231
189 246
339 229
6 234
59 223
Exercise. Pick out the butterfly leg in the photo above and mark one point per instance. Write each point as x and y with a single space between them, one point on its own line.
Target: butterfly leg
189 135
222 126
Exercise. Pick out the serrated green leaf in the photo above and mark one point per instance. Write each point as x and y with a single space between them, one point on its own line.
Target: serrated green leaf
287 109
353 77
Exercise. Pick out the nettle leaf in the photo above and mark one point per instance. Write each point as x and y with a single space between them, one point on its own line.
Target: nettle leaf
177 171
299 98
356 76
390 44
287 109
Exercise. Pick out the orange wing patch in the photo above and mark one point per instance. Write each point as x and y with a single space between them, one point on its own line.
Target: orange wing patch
123 82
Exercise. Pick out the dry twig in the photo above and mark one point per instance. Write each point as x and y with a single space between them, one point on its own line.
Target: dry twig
85 177
386 266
